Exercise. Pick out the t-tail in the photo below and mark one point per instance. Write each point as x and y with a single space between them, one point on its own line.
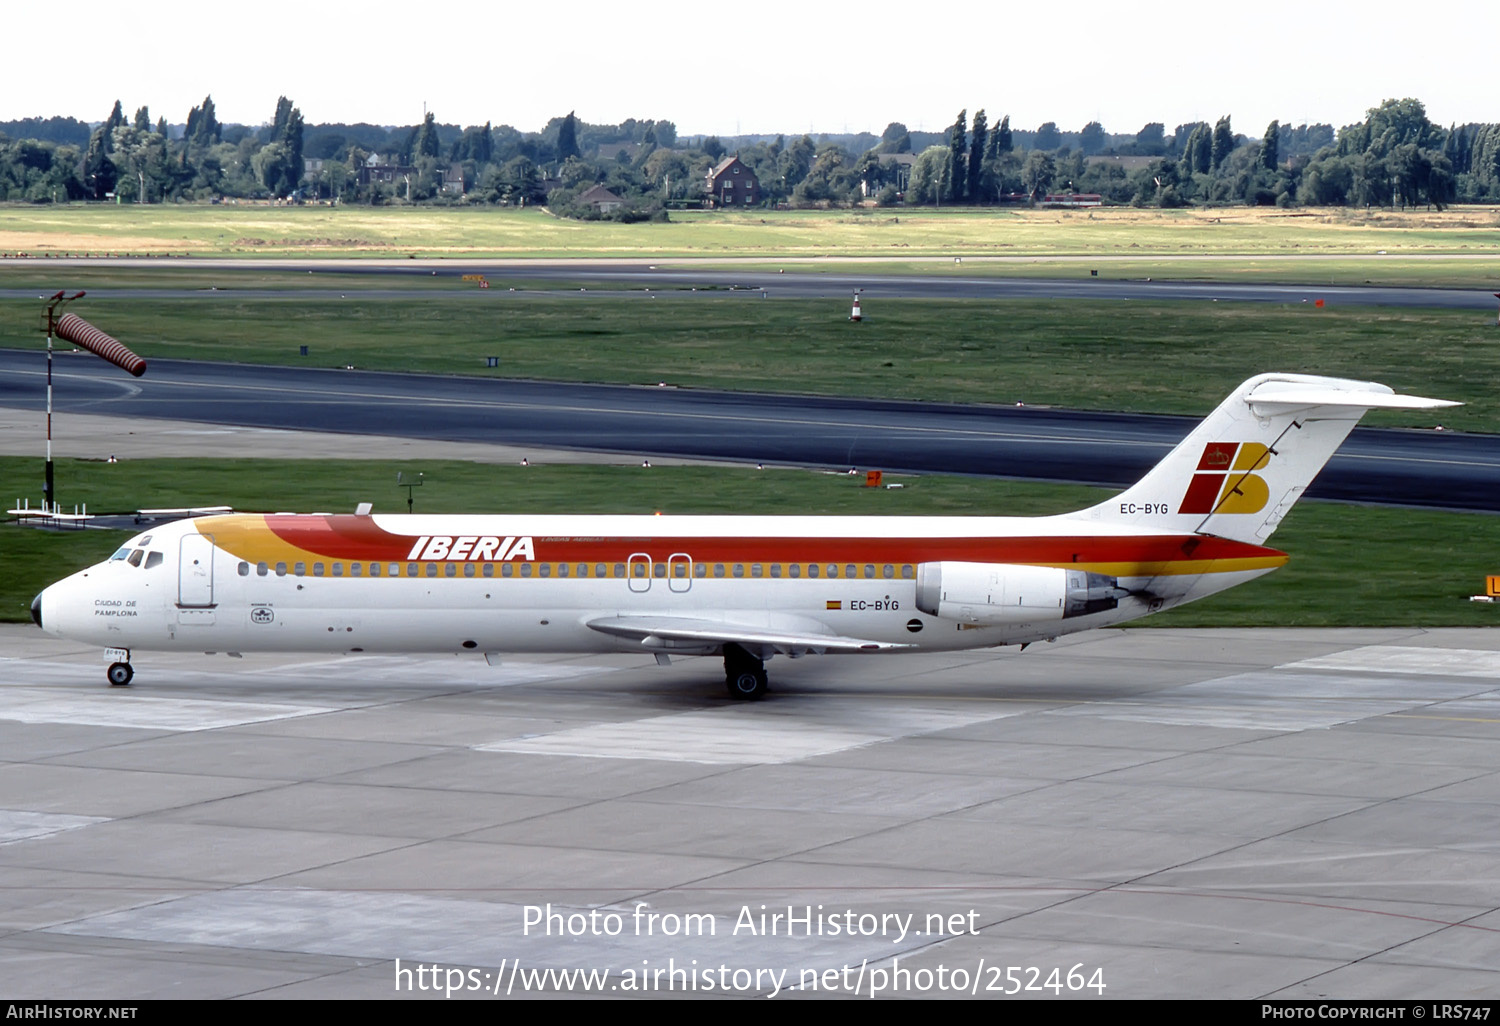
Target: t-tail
1239 472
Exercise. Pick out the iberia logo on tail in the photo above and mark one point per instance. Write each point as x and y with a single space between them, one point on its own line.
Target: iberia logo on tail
1225 481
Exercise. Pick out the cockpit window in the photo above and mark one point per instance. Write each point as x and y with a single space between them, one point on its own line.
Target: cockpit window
153 559
137 556
145 540
120 554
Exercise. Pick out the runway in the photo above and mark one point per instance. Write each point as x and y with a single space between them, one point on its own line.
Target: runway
593 279
1421 468
1236 814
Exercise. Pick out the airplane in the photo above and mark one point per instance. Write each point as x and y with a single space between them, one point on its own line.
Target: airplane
744 588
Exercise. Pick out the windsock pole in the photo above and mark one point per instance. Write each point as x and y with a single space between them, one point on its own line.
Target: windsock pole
49 492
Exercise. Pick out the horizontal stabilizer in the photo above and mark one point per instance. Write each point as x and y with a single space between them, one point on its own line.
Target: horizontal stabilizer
1289 399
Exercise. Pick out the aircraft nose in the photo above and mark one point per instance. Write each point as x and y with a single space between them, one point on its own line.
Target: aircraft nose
36 609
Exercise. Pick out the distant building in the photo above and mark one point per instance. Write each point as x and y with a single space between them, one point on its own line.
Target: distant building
453 180
1072 199
384 170
732 184
601 199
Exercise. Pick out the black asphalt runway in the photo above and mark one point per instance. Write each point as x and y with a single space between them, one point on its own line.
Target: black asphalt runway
593 280
1422 468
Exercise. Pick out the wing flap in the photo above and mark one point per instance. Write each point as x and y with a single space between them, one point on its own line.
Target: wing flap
663 631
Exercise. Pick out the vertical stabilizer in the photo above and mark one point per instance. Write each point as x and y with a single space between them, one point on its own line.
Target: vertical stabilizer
1240 470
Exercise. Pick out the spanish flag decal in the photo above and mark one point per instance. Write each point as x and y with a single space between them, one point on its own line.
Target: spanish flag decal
835 604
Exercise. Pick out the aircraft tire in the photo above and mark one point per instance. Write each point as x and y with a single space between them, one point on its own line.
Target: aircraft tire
119 674
747 685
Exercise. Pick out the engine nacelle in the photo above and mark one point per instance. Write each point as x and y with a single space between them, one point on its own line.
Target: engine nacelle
1007 593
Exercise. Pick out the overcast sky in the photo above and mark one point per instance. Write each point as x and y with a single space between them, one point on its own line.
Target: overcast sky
768 66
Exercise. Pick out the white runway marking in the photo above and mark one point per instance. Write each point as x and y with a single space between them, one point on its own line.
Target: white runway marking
114 709
1274 700
1446 662
744 734
28 826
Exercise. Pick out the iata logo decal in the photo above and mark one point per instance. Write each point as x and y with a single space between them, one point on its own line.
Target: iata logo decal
1224 481
473 548
261 614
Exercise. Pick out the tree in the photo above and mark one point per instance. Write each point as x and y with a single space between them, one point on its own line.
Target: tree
929 176
99 172
1270 146
979 137
1038 173
567 138
713 148
1092 139
895 139
426 143
1223 142
142 120
1047 137
1151 140
202 126
957 177
1002 137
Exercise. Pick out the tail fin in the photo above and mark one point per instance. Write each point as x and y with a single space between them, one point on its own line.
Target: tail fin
1239 472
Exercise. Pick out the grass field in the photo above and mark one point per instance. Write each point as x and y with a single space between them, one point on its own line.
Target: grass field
1137 237
1351 566
1120 355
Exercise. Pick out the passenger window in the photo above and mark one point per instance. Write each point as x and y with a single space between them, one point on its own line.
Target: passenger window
660 570
431 569
869 570
833 569
244 569
261 569
583 569
718 569
507 569
468 569
739 569
489 570
906 572
796 569
562 570
354 569
851 570
338 569
775 569
546 569
411 569
525 569
812 570
280 569
599 569
449 569
619 569
300 569
756 570
317 569
888 571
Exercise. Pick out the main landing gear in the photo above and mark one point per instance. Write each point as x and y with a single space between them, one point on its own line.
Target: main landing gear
744 674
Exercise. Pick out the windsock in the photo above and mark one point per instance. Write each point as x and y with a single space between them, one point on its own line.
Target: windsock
74 329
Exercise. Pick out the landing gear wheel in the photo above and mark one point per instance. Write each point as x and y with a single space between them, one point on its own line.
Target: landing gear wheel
119 674
747 685
744 674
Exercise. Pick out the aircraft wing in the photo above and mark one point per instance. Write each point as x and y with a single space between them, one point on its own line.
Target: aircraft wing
668 633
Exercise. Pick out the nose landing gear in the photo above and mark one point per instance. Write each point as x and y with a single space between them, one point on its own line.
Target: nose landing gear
119 674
